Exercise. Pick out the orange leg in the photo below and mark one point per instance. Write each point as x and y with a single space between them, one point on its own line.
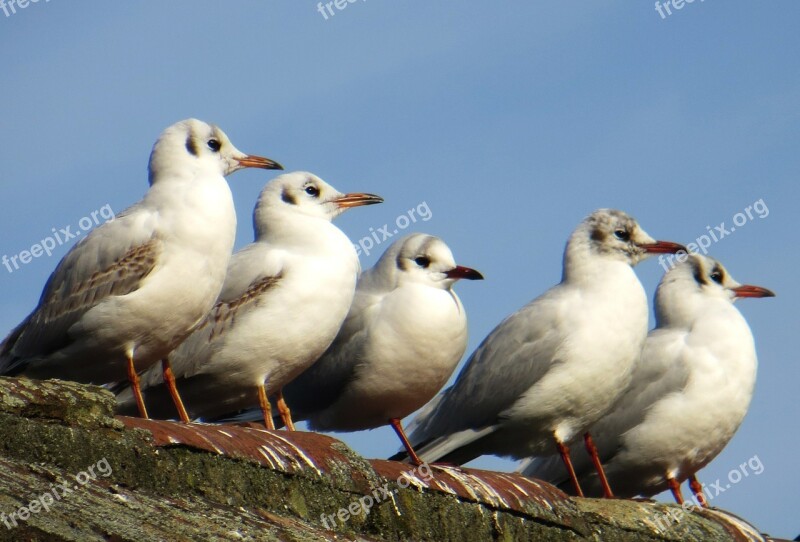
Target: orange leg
169 379
133 378
283 409
266 408
675 488
398 428
697 490
598 465
563 451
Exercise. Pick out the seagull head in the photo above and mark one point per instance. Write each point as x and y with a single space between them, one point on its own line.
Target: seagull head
609 233
304 194
707 276
693 283
425 259
196 147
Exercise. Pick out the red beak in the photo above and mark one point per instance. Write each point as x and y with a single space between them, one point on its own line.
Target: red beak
747 290
663 247
459 272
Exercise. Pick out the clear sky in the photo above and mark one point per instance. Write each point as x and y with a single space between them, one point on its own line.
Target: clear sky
510 123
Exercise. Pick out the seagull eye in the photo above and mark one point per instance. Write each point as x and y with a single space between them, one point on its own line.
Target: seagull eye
312 191
716 276
622 235
422 261
214 145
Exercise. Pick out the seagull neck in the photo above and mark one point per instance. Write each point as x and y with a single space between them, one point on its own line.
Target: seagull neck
207 195
676 308
177 172
300 232
582 267
377 278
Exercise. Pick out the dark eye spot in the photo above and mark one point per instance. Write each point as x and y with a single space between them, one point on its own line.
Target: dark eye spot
598 235
717 276
288 198
214 145
622 235
191 146
422 261
312 191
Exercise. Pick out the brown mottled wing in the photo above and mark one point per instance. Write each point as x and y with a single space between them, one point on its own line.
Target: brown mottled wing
239 296
120 278
223 315
112 261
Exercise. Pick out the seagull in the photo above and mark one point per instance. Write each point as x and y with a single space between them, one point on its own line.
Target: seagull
690 390
550 370
284 299
402 339
135 287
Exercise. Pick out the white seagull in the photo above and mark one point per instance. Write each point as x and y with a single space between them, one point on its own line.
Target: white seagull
549 371
689 394
135 287
284 299
401 341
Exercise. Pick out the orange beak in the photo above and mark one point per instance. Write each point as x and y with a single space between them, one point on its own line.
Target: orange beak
258 162
356 199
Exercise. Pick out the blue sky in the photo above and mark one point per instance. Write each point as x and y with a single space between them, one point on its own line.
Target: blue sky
511 123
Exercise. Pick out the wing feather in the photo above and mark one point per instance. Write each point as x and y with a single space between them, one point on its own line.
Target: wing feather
512 358
112 260
252 273
319 386
663 370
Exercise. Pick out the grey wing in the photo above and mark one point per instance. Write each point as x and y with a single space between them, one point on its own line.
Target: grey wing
252 273
659 372
515 355
323 383
113 260
550 469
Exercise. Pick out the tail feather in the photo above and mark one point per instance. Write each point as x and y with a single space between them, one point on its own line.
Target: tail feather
253 414
550 469
457 448
11 365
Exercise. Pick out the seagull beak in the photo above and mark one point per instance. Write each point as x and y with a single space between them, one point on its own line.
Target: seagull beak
460 272
356 200
259 162
662 247
748 290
